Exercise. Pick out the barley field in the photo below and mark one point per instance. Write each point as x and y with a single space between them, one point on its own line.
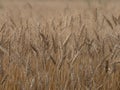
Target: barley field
59 45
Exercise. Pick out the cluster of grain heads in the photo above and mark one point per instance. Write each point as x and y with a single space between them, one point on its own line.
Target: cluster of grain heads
59 53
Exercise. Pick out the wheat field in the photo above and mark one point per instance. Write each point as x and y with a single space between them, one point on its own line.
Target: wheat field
57 45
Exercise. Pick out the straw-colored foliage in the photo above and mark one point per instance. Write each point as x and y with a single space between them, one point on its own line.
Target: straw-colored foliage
55 46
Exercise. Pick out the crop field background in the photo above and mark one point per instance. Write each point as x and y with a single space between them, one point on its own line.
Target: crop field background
59 45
